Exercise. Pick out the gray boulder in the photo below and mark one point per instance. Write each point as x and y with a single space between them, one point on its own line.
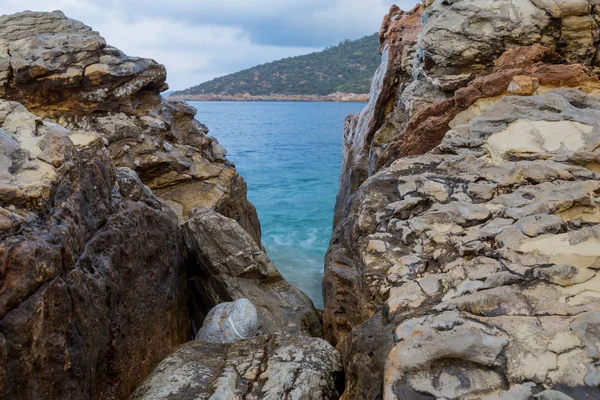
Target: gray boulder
230 322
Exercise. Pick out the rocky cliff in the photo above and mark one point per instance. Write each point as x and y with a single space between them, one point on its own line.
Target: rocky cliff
464 259
121 224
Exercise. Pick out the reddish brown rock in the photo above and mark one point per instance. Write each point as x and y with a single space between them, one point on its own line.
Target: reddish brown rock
425 130
563 75
525 56
401 29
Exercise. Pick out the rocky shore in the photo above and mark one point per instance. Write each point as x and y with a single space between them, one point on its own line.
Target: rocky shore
334 97
466 246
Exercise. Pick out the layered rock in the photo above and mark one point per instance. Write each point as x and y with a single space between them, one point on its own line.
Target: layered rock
93 290
266 367
462 263
480 255
66 73
423 65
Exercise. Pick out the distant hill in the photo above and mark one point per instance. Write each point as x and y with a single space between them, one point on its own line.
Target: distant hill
345 68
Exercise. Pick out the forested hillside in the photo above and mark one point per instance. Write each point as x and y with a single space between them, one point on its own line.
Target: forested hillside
345 68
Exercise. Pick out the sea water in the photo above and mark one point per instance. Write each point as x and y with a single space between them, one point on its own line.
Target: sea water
290 155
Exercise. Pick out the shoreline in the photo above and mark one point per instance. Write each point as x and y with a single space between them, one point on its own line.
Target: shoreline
334 97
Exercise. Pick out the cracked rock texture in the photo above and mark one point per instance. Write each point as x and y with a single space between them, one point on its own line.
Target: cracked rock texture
464 258
424 65
87 308
66 73
268 367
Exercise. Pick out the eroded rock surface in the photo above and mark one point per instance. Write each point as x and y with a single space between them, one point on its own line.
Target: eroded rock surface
66 73
422 66
483 254
266 367
463 263
93 292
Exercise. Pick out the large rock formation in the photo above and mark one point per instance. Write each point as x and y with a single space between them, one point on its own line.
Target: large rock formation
464 256
97 283
422 66
93 290
66 73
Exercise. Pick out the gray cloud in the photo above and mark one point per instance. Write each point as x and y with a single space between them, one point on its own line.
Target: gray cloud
304 23
201 39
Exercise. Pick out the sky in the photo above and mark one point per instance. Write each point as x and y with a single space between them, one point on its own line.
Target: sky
198 40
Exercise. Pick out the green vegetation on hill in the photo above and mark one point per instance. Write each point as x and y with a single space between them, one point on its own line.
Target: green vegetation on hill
346 68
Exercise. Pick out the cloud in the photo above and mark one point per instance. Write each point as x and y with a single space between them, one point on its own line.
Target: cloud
199 40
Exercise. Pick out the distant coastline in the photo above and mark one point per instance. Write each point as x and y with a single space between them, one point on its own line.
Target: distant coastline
334 97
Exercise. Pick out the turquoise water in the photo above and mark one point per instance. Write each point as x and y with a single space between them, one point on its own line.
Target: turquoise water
290 156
